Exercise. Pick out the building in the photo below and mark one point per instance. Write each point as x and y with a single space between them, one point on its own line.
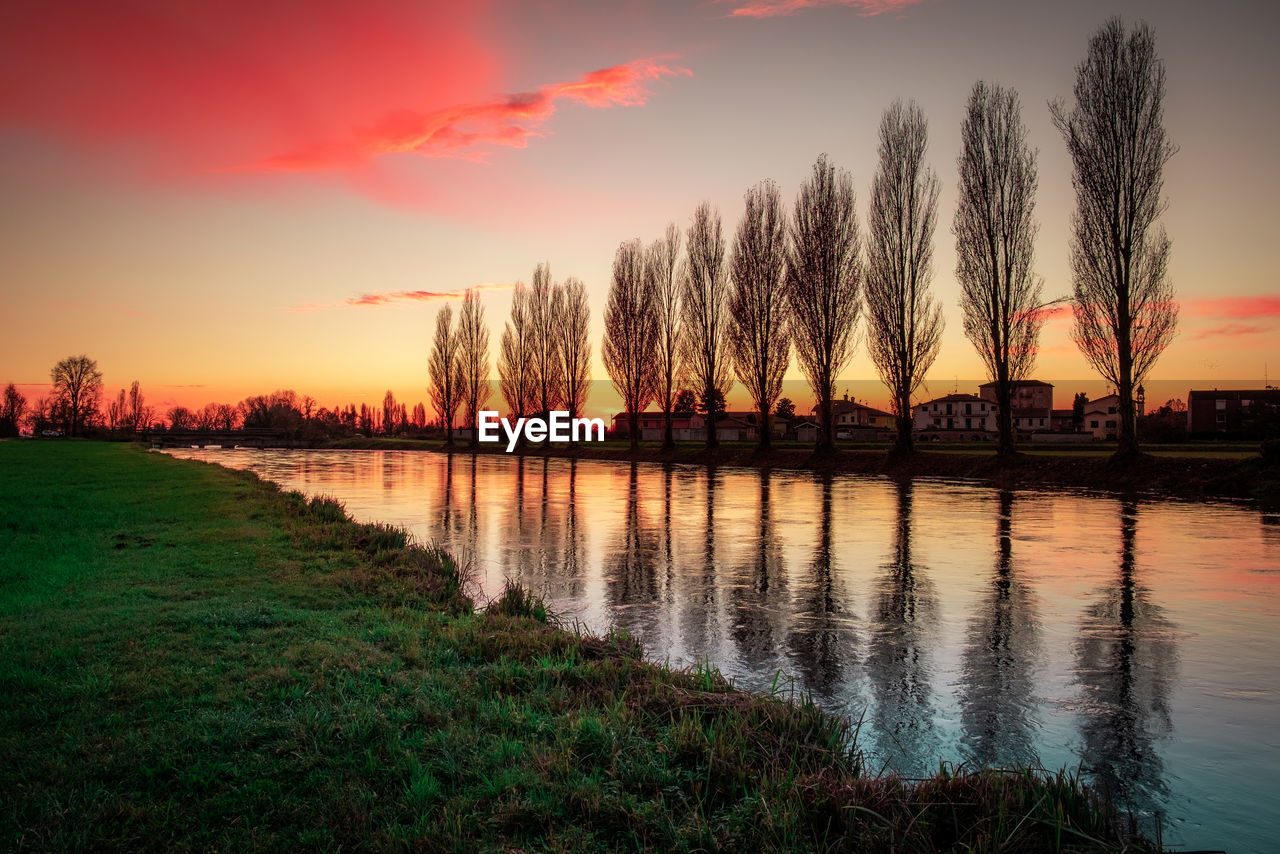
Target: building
852 417
730 426
1246 413
1102 417
955 417
1032 402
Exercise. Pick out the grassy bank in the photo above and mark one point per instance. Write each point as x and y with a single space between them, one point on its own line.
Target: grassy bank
1191 471
192 660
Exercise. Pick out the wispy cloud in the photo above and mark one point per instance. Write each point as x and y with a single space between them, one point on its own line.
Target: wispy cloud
469 131
401 296
777 8
1233 330
1235 307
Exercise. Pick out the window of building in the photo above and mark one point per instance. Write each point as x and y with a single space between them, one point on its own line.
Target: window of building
968 409
948 409
1111 424
1093 425
937 422
968 423
1220 404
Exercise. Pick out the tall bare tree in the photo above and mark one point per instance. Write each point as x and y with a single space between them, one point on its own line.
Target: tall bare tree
995 230
139 414
904 321
473 354
705 308
117 409
662 260
545 340
630 323
445 370
574 328
824 275
515 357
78 383
1125 314
759 345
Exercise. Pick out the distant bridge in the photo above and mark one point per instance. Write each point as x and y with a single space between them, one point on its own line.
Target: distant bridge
258 437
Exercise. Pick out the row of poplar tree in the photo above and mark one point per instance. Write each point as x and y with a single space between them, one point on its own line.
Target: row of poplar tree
700 314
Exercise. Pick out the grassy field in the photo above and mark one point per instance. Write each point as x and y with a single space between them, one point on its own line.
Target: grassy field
190 659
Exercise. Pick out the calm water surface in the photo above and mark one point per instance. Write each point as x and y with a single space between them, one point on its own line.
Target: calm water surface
1136 640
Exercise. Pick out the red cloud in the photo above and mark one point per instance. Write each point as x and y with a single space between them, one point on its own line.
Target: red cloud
400 296
1236 307
205 85
776 8
464 130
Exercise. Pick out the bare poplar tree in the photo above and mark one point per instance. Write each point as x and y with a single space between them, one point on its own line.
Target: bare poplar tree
664 255
705 322
473 353
542 320
515 357
995 229
758 340
630 323
77 382
904 321
139 414
1125 314
573 328
824 274
445 370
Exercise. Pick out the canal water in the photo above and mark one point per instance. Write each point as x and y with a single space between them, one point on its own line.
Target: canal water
1136 641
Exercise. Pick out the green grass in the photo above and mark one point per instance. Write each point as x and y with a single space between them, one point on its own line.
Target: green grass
190 659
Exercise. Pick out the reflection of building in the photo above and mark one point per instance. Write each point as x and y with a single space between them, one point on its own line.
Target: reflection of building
1247 412
1031 401
955 417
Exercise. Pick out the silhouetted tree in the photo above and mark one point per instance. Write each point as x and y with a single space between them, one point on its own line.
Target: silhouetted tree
1078 404
663 257
785 409
77 382
1125 314
995 231
686 403
904 321
757 301
824 274
12 408
181 418
629 326
545 339
445 370
515 357
140 415
473 355
704 305
390 409
573 327
116 412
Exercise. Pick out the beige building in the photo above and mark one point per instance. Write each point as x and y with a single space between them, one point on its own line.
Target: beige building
955 417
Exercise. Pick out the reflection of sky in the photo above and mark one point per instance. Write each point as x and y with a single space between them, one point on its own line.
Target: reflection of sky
1007 632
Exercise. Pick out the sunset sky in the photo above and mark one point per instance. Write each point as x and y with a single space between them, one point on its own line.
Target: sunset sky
223 198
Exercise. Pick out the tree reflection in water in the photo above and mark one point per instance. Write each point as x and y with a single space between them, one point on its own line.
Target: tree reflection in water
1126 662
756 590
822 642
631 582
898 665
997 697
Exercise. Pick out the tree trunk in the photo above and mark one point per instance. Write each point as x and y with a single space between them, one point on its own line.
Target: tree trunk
1004 413
713 441
906 439
826 429
668 434
633 428
766 438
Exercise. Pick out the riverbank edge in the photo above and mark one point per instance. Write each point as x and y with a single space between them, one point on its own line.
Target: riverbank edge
745 768
1189 478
